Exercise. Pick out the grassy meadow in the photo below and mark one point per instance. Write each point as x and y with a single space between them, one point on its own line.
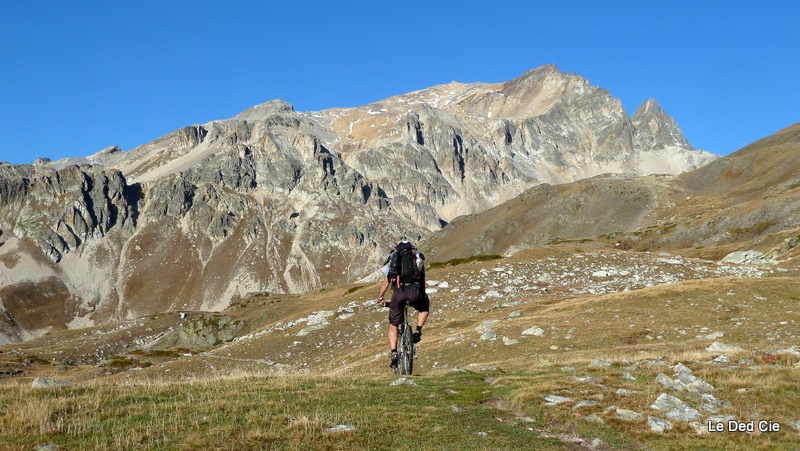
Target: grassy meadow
485 409
278 387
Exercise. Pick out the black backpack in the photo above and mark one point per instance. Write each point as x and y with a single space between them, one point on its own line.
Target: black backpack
403 266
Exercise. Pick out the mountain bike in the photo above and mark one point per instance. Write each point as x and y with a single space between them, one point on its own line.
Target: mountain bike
405 349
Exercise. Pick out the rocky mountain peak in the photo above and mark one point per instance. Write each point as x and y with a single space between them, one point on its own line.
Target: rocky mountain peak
266 109
529 95
537 86
655 128
111 150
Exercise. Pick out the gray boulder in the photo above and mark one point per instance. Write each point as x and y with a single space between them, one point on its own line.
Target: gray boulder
676 409
658 424
627 415
49 382
723 348
745 258
555 399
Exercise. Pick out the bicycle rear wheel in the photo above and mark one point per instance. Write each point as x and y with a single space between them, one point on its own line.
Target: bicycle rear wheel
398 368
407 353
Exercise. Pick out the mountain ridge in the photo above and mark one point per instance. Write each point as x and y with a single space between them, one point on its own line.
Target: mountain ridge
300 192
744 201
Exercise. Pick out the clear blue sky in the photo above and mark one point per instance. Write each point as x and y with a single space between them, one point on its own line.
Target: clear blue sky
76 77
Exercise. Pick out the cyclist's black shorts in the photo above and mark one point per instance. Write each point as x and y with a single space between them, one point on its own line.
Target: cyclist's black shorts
413 292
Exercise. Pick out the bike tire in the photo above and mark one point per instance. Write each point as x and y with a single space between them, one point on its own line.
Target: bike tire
407 356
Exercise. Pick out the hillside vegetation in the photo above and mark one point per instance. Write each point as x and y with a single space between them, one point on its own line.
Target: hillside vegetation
507 340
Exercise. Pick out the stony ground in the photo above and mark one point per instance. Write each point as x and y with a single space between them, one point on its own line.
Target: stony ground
650 342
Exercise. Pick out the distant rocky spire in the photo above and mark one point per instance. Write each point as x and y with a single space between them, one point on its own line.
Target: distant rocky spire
656 129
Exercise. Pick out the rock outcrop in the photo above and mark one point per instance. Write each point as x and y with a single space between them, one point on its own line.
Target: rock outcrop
60 209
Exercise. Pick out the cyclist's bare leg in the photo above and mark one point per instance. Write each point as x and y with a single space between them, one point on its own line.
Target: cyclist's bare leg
421 318
392 337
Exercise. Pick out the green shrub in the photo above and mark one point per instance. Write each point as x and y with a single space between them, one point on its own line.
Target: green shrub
355 288
460 261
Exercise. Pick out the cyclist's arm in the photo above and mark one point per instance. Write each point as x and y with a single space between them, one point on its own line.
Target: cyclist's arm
384 287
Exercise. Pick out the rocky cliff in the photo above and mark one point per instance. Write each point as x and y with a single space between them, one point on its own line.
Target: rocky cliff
284 201
746 202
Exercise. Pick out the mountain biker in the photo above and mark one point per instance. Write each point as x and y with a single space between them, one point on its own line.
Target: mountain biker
404 290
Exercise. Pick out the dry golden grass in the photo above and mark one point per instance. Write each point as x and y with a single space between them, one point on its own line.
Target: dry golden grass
760 402
278 389
249 411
